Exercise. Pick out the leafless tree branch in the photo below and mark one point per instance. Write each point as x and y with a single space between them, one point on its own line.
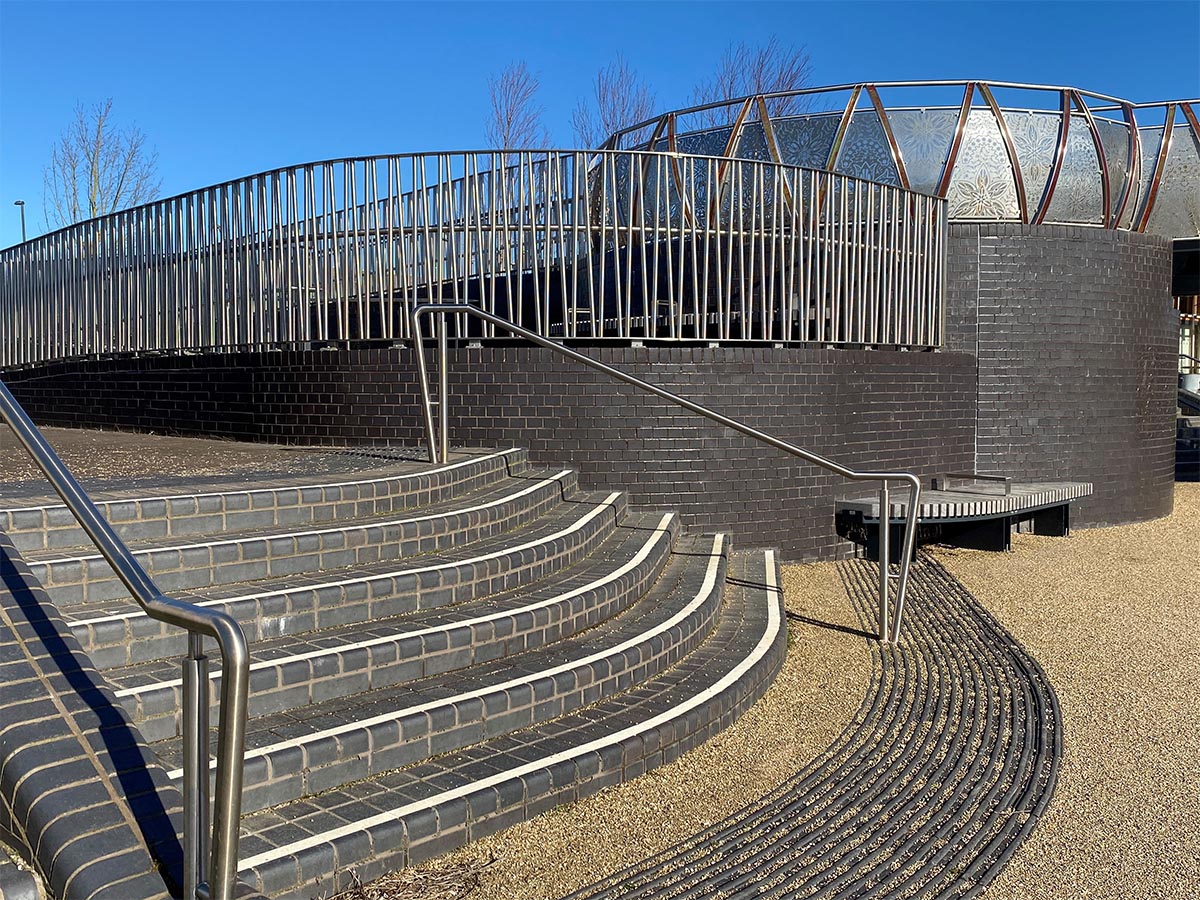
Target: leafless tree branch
744 71
96 168
620 98
516 122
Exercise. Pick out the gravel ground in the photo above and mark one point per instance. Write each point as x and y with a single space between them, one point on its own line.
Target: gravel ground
1113 615
823 680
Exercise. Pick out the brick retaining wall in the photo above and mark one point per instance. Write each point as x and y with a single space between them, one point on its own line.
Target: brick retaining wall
1076 338
862 408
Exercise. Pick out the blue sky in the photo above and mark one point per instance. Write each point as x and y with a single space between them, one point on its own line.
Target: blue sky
225 89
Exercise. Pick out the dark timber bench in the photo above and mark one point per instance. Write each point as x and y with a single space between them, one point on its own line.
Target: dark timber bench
965 510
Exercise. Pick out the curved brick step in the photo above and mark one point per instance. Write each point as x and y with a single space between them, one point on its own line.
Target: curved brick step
189 564
294 671
945 769
404 816
321 746
119 633
209 508
76 797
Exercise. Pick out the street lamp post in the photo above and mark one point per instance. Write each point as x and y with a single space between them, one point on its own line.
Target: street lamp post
21 203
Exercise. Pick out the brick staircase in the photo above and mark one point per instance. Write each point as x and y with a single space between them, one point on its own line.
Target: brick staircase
437 652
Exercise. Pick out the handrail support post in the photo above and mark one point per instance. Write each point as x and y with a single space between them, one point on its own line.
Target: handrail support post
418 339
443 388
195 728
885 563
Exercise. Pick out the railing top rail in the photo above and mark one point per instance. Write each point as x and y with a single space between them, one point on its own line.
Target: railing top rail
1118 102
591 155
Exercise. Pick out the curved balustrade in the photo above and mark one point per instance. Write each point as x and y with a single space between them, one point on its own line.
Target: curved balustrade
1060 155
571 244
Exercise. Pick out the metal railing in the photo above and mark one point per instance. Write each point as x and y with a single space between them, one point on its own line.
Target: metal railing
1188 364
570 243
439 440
1075 157
210 869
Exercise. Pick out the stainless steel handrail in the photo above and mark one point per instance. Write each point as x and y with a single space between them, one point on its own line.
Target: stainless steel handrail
439 447
1195 363
219 863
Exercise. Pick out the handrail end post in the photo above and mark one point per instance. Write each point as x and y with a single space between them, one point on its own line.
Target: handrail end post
194 728
885 567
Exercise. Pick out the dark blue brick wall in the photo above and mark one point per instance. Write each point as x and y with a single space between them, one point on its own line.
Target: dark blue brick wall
1075 338
862 408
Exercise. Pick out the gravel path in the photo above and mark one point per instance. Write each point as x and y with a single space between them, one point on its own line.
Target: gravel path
1113 615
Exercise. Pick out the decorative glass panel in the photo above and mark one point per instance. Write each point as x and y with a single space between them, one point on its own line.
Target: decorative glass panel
982 186
705 143
806 140
1115 138
1151 138
753 143
1077 196
924 136
865 151
1035 135
1176 212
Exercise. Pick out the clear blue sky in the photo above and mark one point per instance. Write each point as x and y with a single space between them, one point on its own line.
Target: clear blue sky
228 89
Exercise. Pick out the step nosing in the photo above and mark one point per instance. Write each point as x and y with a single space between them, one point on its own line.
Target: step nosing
702 593
677 711
643 553
422 473
598 509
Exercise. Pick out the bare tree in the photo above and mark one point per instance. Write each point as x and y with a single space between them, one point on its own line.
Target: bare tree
97 168
516 122
744 71
620 99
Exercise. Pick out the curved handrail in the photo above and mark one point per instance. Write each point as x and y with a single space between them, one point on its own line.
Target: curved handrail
889 627
235 661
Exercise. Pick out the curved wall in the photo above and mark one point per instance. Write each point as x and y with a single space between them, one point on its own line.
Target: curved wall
862 408
1059 364
1075 338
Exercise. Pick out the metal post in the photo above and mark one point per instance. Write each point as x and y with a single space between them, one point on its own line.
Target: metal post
911 522
443 388
195 768
423 377
885 540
